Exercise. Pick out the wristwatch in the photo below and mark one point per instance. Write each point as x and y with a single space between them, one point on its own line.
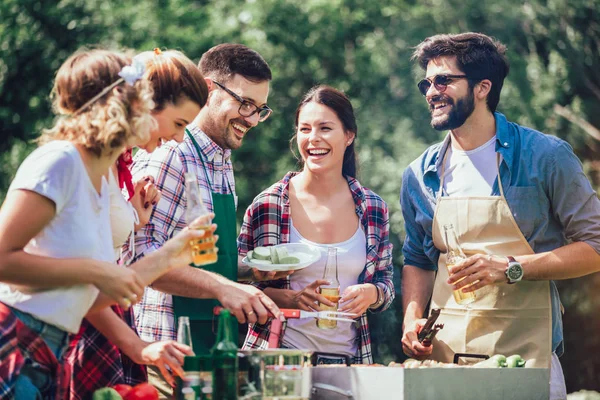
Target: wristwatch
514 270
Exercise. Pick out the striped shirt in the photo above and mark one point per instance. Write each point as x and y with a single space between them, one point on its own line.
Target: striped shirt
168 164
267 223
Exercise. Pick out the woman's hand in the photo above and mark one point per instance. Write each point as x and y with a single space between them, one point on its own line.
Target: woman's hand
145 196
177 250
120 284
356 299
307 298
165 354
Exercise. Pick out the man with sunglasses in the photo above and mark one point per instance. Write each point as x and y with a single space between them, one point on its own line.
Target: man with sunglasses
238 82
520 205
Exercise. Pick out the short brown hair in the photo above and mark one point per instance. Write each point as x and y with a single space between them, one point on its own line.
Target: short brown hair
477 55
173 77
120 118
223 61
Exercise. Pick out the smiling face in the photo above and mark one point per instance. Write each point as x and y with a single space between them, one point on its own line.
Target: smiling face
321 138
452 107
172 121
222 121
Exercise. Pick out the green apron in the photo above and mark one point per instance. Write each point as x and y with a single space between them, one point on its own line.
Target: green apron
200 311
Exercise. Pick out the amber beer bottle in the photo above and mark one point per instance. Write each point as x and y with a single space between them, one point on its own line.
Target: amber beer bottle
225 362
332 291
203 249
454 255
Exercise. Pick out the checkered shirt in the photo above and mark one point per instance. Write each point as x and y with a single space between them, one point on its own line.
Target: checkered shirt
267 223
168 164
96 362
20 346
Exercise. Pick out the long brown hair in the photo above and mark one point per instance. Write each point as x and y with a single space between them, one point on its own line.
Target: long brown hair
339 103
173 77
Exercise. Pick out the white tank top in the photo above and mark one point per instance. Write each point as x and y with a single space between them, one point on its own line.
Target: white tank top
123 218
303 333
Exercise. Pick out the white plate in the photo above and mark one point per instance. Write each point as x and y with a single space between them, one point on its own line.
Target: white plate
306 253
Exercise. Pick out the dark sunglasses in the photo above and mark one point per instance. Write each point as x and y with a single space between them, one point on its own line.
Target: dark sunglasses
440 82
247 108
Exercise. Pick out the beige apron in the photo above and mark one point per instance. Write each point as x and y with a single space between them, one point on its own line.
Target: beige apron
504 319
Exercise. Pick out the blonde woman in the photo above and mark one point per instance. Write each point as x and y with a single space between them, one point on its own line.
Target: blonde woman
56 258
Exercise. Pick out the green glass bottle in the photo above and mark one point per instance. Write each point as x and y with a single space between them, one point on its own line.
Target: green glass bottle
225 362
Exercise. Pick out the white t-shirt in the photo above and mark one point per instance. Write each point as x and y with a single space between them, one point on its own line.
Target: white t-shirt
471 173
80 229
351 259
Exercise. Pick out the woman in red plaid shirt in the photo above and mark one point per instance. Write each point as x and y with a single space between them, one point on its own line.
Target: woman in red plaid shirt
56 255
325 206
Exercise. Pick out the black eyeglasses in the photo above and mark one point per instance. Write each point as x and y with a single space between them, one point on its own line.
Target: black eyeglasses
247 108
440 82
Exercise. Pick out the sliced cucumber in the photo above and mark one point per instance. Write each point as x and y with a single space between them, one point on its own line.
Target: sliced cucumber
261 253
262 262
274 255
289 260
249 255
281 253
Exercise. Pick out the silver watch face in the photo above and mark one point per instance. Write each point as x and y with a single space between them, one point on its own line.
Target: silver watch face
515 272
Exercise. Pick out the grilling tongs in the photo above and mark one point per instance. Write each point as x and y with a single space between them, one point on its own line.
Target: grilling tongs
289 313
430 329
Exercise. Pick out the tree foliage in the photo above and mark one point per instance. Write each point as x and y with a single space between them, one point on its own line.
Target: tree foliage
362 47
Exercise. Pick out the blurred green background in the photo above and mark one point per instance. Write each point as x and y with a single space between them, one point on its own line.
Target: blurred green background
360 46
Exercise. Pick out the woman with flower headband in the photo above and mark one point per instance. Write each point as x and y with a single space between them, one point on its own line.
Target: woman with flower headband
108 340
56 257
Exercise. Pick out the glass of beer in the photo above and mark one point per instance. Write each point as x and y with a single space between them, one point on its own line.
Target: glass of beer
203 248
454 255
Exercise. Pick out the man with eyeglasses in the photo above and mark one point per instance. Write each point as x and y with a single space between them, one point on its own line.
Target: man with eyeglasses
521 207
238 82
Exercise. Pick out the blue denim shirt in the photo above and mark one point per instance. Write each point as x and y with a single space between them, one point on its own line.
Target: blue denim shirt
545 187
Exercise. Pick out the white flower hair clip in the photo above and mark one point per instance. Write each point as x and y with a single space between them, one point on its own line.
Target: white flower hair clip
129 73
134 72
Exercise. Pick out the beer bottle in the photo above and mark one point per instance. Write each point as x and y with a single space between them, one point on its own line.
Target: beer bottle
184 336
225 362
331 291
203 249
455 254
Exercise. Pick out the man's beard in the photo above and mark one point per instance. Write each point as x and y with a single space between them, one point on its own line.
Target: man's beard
458 113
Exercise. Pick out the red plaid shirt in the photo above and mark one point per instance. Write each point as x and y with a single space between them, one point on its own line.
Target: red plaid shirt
96 362
267 223
20 345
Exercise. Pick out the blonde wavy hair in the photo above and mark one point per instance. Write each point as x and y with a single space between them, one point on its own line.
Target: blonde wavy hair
119 119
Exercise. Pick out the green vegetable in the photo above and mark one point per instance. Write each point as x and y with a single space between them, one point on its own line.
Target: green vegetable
274 255
281 253
106 394
500 359
496 361
515 361
271 255
289 260
261 253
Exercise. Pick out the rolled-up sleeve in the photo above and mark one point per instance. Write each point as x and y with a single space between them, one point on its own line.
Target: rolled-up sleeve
413 248
574 201
384 270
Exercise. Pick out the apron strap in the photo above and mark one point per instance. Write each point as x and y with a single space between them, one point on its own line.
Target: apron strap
200 156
